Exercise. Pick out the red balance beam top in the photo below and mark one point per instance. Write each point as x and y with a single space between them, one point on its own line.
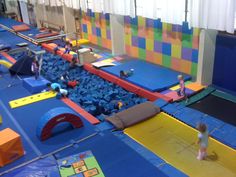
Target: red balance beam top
49 48
81 111
19 28
152 96
44 35
11 59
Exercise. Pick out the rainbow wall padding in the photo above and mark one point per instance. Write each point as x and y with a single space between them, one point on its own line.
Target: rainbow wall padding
96 28
173 46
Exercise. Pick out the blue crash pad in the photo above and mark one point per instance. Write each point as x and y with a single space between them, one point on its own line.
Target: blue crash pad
147 75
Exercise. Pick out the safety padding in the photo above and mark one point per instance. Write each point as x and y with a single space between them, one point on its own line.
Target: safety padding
44 35
134 115
50 48
19 28
152 96
108 77
33 85
11 147
54 117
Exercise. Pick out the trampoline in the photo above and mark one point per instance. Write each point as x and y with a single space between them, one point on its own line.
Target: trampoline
147 75
174 142
217 107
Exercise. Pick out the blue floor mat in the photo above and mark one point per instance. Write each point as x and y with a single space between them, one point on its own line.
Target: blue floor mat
115 158
46 167
24 120
147 75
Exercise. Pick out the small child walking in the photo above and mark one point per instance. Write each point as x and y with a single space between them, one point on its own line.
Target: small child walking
202 141
35 68
181 91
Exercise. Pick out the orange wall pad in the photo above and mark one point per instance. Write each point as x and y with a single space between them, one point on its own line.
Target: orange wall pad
10 146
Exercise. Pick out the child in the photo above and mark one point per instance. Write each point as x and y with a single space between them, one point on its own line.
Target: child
35 68
124 74
202 141
68 48
181 91
63 92
53 86
74 61
62 33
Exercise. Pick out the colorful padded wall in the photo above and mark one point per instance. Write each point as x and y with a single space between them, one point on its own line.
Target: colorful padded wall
96 28
173 46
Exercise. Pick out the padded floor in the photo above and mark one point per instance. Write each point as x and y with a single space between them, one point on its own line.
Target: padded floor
147 75
217 107
115 158
175 142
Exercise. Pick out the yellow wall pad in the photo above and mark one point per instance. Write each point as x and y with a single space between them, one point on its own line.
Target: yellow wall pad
174 142
177 86
32 99
5 63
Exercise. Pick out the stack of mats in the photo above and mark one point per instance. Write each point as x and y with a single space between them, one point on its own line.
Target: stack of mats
191 88
175 143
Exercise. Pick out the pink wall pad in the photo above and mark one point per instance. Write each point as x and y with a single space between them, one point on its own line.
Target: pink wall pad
174 95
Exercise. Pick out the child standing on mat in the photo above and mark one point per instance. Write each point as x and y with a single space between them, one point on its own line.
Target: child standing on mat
181 91
35 68
202 141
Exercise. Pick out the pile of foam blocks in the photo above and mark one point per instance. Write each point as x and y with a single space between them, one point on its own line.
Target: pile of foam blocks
96 95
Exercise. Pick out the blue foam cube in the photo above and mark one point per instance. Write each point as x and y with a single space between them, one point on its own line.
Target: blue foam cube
35 86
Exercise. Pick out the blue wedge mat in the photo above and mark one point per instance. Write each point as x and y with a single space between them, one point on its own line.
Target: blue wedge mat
147 75
115 158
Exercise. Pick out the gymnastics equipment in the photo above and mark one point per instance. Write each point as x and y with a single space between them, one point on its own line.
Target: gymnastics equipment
5 63
18 28
53 117
173 141
32 99
35 85
134 115
45 35
10 146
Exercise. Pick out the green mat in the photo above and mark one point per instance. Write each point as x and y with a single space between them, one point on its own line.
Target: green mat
199 96
83 164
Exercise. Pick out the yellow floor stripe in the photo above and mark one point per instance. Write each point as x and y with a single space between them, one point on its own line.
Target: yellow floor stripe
5 63
175 143
32 99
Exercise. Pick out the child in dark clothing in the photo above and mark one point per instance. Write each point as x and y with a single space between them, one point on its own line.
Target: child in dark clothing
35 68
68 48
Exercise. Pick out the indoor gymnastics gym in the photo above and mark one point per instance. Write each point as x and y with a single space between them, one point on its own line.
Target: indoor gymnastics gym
117 88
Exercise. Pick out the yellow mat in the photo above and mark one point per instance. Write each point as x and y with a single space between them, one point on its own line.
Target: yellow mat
174 142
177 86
32 99
5 63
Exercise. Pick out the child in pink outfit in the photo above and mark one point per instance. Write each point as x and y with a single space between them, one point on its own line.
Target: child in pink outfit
202 141
181 91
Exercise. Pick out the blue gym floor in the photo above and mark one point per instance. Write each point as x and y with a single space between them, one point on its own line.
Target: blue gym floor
117 154
149 76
